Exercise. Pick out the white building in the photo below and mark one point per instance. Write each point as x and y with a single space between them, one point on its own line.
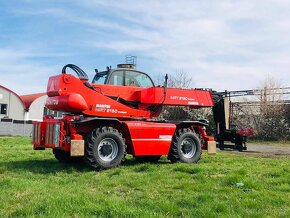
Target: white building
25 107
11 105
35 106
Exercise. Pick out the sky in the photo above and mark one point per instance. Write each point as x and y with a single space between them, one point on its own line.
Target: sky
223 45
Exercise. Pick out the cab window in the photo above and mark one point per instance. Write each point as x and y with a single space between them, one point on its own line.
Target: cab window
117 78
100 78
133 78
130 78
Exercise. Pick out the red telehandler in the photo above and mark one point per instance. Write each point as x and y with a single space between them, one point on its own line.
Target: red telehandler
114 116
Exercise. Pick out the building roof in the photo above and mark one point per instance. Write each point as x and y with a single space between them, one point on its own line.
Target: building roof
20 99
28 99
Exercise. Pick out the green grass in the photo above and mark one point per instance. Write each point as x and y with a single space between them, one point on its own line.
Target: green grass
34 184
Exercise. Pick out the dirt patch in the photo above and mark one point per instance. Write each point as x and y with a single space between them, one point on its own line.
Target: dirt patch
264 150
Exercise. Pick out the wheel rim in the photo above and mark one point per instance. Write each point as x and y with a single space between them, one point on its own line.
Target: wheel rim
108 149
188 148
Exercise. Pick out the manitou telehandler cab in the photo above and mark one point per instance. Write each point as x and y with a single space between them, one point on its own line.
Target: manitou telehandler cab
116 115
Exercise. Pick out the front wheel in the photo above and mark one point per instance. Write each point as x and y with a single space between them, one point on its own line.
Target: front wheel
105 148
185 147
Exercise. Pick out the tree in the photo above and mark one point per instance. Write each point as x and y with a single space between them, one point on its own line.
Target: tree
178 113
267 114
272 122
180 80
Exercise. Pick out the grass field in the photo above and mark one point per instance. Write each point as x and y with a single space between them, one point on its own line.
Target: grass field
34 184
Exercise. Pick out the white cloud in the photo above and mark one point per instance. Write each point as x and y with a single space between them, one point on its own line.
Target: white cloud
232 44
222 44
22 75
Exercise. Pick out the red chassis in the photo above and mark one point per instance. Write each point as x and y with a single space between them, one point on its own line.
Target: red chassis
142 137
106 121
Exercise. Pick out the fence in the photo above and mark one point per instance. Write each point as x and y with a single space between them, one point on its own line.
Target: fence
9 127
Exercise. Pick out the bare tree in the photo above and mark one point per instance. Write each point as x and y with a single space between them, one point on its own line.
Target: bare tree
270 117
182 79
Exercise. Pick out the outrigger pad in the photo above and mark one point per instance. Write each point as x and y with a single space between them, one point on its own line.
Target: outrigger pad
77 148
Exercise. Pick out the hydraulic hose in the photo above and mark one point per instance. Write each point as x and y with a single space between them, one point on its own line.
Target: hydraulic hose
81 74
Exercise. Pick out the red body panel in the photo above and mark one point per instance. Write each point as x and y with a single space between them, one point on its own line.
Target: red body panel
143 138
73 101
67 93
183 97
150 138
98 104
128 93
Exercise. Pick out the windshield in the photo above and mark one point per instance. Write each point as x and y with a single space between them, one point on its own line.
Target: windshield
134 78
130 78
123 78
100 77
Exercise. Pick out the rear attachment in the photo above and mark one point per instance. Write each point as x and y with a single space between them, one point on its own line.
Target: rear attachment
47 134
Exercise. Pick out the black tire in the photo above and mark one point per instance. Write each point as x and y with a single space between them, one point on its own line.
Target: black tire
64 156
221 145
185 147
105 148
151 158
240 148
243 144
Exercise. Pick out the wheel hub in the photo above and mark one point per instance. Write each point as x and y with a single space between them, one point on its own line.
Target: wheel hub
188 148
108 149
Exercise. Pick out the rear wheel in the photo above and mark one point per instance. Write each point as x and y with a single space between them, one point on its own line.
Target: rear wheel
64 156
151 158
105 148
185 147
